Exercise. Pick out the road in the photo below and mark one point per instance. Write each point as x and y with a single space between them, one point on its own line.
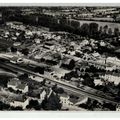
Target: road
62 84
9 74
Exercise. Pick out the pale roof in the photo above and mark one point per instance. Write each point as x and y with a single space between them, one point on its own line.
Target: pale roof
64 95
21 86
13 82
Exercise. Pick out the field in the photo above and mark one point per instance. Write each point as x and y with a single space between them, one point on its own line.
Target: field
102 19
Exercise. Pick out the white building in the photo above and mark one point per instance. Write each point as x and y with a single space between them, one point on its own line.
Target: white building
98 82
84 42
64 99
23 88
43 95
71 102
20 102
113 60
51 47
112 78
118 108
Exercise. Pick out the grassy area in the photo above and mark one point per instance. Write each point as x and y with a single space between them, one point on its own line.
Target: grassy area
100 19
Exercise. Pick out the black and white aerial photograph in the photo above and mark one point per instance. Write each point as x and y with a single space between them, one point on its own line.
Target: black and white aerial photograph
59 58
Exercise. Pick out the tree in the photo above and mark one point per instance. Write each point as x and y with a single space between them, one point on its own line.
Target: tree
75 24
52 103
43 82
60 90
4 106
63 21
110 31
88 80
34 104
71 64
16 108
105 29
114 17
23 76
13 49
4 80
21 37
110 106
54 87
67 76
25 51
100 29
39 70
84 29
93 28
116 32
57 90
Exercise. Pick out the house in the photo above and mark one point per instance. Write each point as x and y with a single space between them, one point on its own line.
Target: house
70 102
50 59
16 44
74 79
49 45
118 108
14 59
22 87
82 100
110 68
113 61
48 91
115 78
45 93
65 100
38 94
68 63
84 42
98 82
96 55
20 101
71 53
37 41
15 84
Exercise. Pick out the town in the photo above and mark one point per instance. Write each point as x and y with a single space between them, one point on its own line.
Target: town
60 58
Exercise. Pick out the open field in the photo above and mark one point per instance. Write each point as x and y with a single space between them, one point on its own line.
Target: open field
100 19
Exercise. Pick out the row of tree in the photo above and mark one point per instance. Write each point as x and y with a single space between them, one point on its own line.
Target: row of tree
63 24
